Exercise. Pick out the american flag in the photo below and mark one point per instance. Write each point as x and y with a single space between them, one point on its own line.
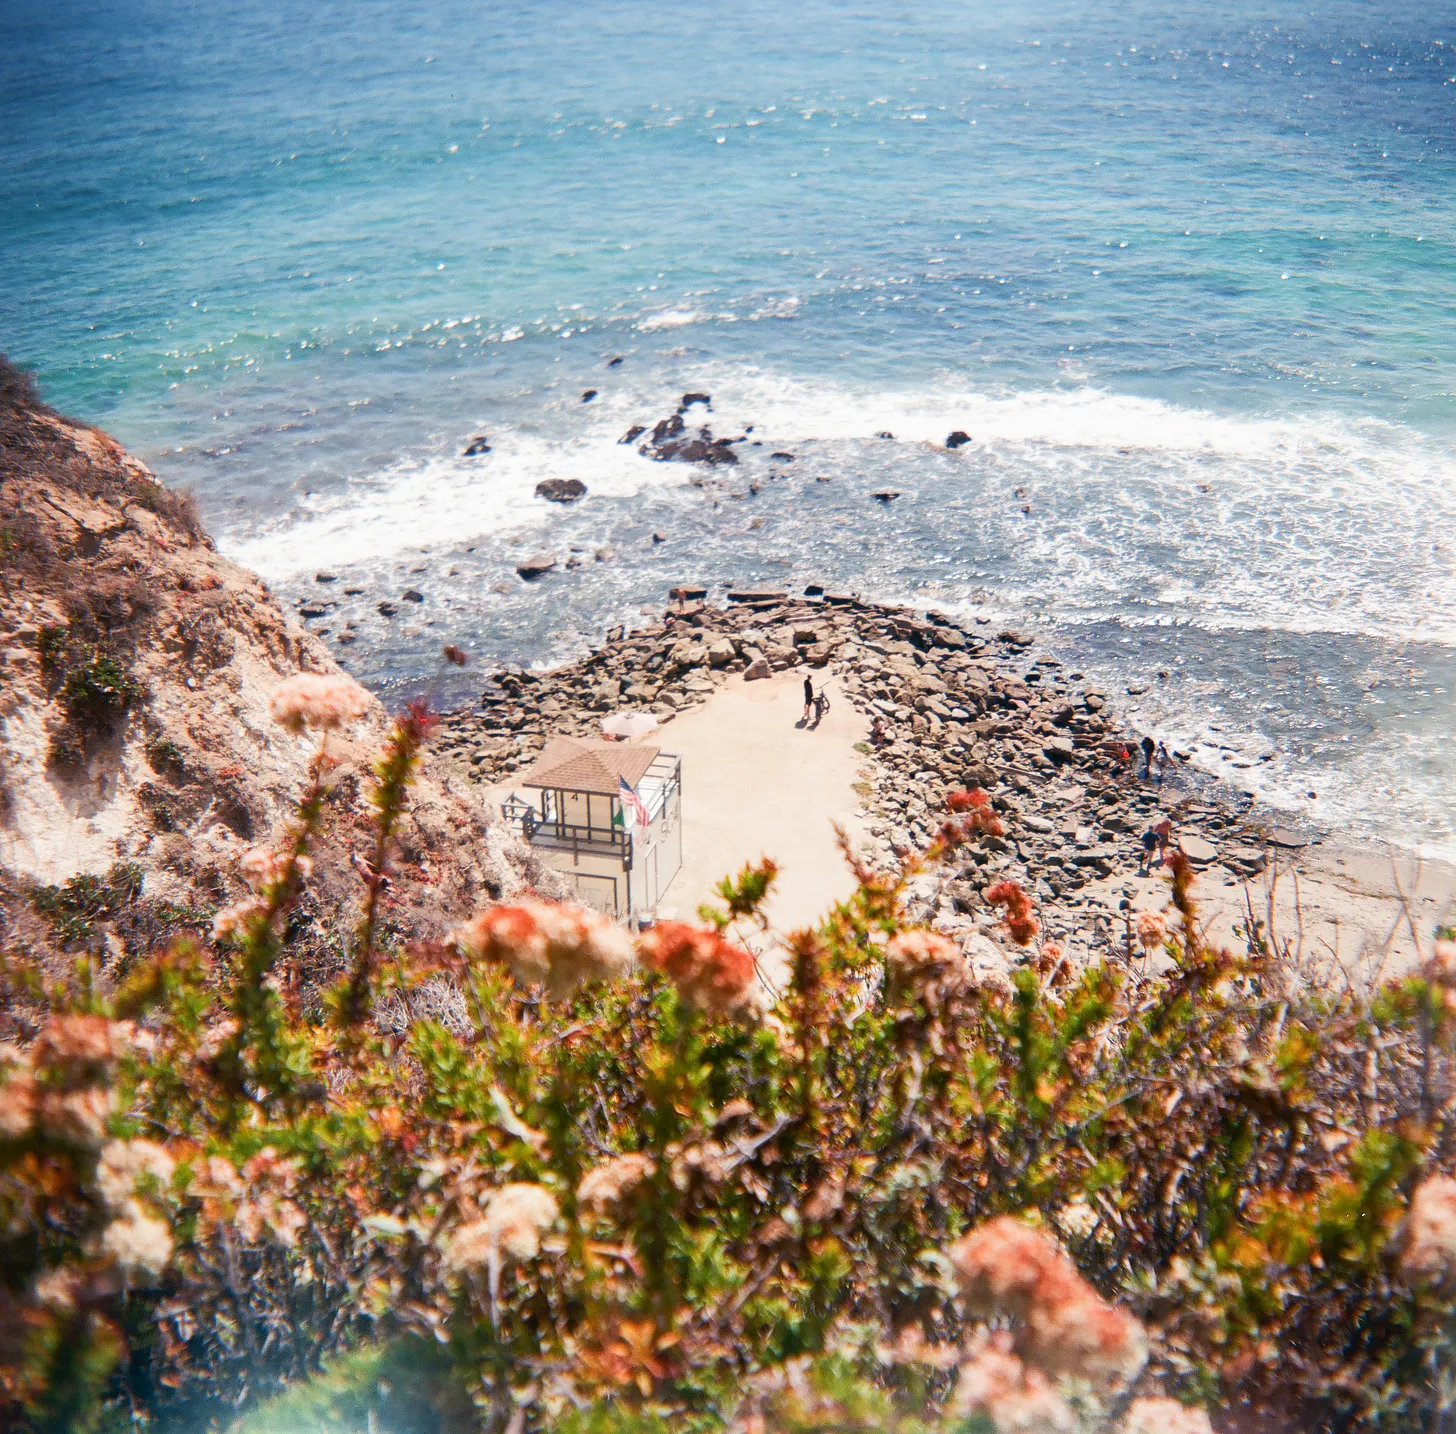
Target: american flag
632 804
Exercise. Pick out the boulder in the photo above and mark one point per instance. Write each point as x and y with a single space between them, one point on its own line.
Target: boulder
476 446
693 450
561 490
387 609
885 495
958 439
536 567
588 395
1197 850
720 653
412 595
633 434
757 669
689 399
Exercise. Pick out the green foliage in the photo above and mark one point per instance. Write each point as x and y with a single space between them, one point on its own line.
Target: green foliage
99 691
636 1207
71 909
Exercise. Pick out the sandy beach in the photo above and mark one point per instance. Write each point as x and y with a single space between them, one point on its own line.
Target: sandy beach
960 708
757 782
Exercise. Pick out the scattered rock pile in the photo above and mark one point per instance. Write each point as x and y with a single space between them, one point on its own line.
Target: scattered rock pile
671 441
958 708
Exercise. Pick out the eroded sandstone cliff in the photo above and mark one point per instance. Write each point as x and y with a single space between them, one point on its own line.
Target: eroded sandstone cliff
135 742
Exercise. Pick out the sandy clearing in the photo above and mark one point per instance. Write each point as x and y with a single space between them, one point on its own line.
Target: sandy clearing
1338 904
755 784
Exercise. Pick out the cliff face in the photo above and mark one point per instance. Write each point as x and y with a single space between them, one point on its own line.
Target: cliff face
137 669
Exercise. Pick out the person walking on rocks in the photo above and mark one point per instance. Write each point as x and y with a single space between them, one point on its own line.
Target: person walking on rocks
808 700
1149 747
1164 759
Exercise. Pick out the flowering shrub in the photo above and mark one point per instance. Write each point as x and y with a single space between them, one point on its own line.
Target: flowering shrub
626 1187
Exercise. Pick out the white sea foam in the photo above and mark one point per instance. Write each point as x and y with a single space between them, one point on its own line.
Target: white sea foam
1140 510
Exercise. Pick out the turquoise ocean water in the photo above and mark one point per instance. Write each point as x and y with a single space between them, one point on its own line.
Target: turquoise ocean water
1185 274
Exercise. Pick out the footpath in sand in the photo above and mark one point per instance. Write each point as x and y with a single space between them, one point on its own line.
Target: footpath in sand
756 784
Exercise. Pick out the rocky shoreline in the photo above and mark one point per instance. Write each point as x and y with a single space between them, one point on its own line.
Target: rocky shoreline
960 708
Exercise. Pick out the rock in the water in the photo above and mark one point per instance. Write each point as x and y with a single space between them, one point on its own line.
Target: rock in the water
884 433
561 490
958 439
536 567
659 538
694 450
605 555
412 595
325 578
689 399
783 457
615 362
885 495
1198 851
477 446
756 669
588 395
633 434
388 609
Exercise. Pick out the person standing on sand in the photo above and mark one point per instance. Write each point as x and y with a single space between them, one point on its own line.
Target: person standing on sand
808 699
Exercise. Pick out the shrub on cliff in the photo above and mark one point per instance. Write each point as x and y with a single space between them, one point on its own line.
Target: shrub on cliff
619 1185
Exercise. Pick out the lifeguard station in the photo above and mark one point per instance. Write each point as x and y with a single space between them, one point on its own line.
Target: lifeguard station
583 823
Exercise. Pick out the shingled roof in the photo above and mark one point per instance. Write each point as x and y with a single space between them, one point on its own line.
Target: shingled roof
570 764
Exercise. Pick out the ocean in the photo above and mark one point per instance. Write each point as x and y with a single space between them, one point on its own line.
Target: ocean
1184 275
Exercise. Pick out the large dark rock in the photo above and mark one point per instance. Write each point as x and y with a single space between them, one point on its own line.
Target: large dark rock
689 399
561 490
693 450
477 446
666 428
958 439
633 434
536 567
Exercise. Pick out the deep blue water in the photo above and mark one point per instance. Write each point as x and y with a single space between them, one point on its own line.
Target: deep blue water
1186 276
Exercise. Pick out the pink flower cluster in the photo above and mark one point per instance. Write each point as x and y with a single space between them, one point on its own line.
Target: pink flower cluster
709 971
515 1218
1008 1269
268 1209
559 947
1020 921
929 964
995 1382
605 1186
1164 1416
263 869
974 809
76 1055
324 703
